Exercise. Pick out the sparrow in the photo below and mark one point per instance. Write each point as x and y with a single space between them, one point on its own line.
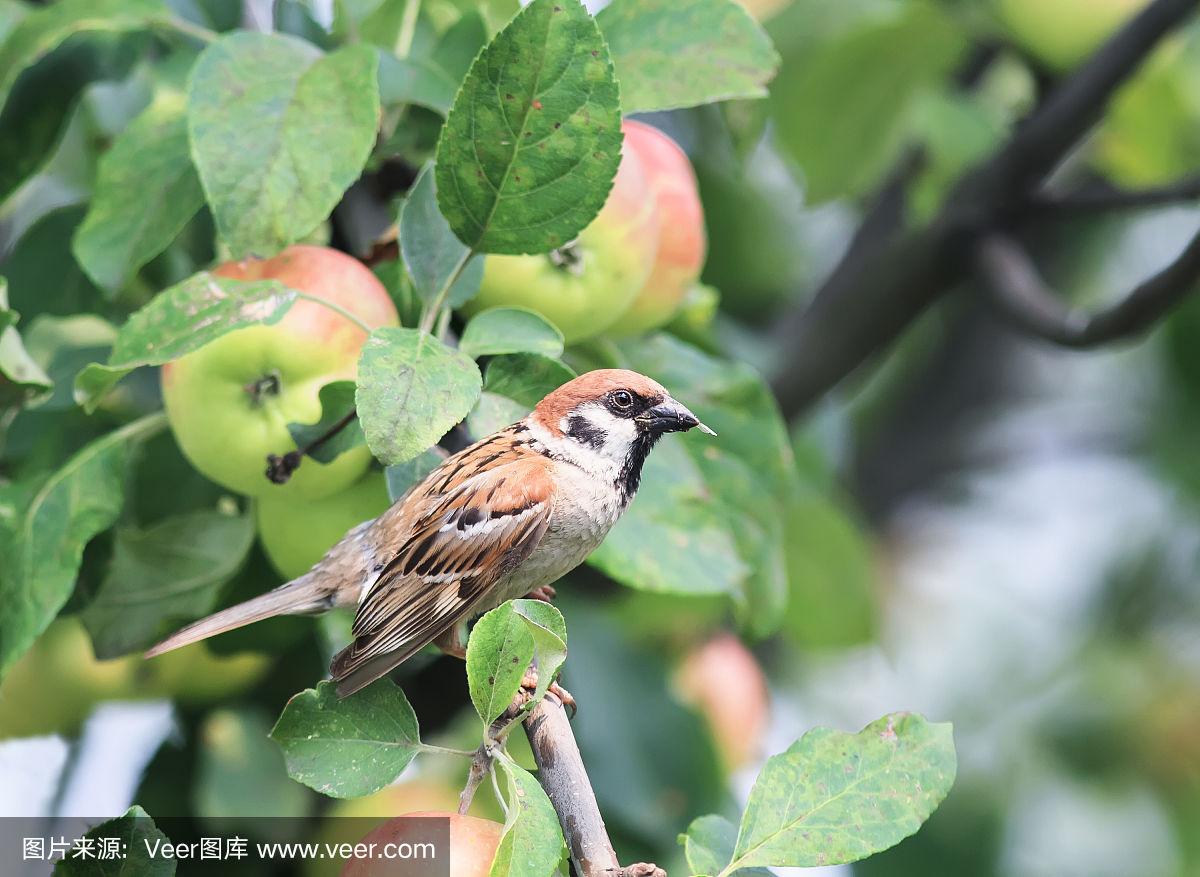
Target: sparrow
503 518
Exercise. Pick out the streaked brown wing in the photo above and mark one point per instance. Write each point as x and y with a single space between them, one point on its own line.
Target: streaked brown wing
461 544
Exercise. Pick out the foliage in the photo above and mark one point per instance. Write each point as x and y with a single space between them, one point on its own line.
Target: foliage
142 142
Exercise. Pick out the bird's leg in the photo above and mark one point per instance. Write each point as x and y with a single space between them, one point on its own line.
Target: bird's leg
530 683
452 642
545 593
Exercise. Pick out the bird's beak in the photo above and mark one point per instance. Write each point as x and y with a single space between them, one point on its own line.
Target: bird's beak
671 416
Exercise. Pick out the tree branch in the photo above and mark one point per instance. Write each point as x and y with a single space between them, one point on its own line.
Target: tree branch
869 300
1027 301
1109 198
563 776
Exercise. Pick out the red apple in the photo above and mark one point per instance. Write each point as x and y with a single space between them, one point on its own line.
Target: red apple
229 403
585 286
681 237
473 843
722 680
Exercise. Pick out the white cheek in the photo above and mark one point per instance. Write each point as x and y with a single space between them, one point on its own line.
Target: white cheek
621 433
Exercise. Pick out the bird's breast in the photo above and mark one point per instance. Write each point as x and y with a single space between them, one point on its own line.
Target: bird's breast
585 509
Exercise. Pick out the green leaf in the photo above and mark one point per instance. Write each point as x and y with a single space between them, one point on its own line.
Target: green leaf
350 747
708 846
43 276
135 831
402 476
844 109
43 100
532 842
757 527
503 643
492 413
45 29
432 254
460 44
337 401
526 378
831 576
146 191
179 320
499 652
672 538
549 631
164 574
835 797
412 390
41 546
415 81
21 378
531 146
513 385
682 53
510 330
270 174
241 773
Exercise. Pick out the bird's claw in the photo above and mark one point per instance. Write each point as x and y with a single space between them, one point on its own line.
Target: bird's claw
545 593
530 683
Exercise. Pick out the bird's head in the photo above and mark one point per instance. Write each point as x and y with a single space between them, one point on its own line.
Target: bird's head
608 420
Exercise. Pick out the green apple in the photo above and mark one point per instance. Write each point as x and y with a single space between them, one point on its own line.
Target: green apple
1061 33
583 287
681 237
295 535
195 675
55 684
229 403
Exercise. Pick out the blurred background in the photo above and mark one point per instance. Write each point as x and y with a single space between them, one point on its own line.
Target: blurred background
995 531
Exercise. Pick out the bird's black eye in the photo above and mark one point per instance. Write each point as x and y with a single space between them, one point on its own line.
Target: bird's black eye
622 400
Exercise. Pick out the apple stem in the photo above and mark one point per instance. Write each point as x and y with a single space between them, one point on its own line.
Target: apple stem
280 468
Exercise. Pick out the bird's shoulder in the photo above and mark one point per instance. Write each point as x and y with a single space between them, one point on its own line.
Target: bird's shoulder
497 477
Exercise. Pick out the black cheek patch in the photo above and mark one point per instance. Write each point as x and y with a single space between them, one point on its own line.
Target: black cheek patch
584 431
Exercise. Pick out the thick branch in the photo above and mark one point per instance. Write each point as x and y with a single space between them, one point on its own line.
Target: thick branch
562 775
867 303
1026 300
1108 198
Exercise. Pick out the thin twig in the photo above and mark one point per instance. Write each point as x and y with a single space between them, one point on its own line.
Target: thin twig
563 776
430 314
1024 297
1108 198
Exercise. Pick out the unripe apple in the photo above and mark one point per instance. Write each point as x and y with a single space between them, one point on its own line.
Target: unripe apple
583 287
722 680
295 535
229 403
681 238
473 844
1061 33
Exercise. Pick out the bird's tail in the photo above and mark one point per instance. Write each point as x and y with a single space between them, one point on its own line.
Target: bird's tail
301 596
